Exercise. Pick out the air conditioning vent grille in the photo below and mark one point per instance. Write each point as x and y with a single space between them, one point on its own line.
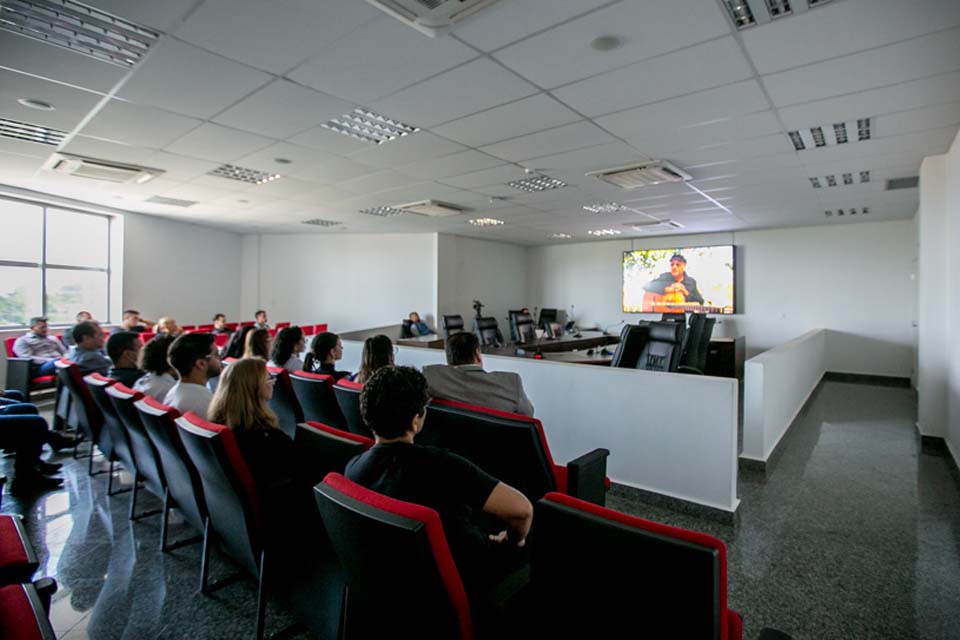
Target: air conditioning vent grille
93 169
647 174
911 182
320 222
431 17
170 202
31 132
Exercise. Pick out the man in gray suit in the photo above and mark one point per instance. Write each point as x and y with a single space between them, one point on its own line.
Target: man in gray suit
464 380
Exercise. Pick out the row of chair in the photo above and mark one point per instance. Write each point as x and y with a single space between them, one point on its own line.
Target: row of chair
667 345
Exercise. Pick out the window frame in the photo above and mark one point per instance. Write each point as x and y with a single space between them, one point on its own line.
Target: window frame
43 265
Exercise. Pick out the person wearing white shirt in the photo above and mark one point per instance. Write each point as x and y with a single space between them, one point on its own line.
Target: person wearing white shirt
286 347
196 359
159 378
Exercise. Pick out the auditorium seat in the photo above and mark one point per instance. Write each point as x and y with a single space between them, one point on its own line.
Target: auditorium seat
315 393
18 373
147 336
488 332
597 571
22 614
184 489
348 397
513 448
402 580
120 449
18 562
324 449
145 454
284 401
88 415
232 325
221 339
451 325
282 325
205 328
187 328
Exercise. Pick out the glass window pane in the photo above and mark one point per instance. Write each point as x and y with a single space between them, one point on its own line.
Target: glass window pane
69 292
76 239
22 234
19 294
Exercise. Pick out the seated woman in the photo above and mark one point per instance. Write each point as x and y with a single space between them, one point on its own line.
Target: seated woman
325 350
159 378
167 325
238 340
377 353
417 326
287 346
257 344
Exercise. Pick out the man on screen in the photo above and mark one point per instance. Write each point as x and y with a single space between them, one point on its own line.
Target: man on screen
675 282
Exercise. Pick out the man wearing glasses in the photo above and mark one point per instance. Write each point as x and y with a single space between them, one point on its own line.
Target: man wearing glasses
196 359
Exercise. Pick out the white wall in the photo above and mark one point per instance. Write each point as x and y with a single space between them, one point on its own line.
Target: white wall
952 290
853 279
179 269
492 272
348 281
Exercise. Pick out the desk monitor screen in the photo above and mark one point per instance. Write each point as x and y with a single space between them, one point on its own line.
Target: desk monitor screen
688 279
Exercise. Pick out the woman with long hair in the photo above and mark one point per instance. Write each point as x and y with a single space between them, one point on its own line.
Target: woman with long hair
257 344
325 350
237 342
287 345
160 376
377 353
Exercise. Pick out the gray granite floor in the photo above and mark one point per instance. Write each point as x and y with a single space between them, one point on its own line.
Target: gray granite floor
853 534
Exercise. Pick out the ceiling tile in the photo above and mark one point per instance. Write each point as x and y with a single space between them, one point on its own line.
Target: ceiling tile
49 61
507 22
301 158
127 122
917 58
72 105
590 158
553 141
753 148
216 143
179 167
323 195
161 16
281 109
942 115
535 113
450 165
497 175
698 108
329 141
563 54
410 148
473 87
660 141
332 170
374 182
707 65
105 150
274 36
842 28
180 77
379 58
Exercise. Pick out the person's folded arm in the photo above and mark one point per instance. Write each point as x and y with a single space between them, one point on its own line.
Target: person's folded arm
513 508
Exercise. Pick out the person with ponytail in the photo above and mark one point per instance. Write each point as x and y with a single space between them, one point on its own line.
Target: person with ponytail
325 350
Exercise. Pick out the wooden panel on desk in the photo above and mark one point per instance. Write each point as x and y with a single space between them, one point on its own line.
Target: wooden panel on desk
725 357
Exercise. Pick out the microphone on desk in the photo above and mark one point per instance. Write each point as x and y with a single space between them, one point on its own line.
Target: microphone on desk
606 330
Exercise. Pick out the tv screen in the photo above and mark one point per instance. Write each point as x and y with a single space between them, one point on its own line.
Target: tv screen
688 279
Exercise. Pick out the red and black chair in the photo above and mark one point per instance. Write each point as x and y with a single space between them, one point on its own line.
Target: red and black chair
19 375
145 455
513 448
205 328
598 571
282 325
401 578
89 418
18 562
184 488
324 449
315 393
347 393
23 615
147 336
120 449
284 401
188 328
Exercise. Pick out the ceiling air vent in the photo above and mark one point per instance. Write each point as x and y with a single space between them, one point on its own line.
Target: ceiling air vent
104 170
829 135
320 222
647 174
911 182
170 202
653 225
30 132
431 17
431 208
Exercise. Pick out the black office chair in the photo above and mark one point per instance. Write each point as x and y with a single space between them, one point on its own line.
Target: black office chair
553 330
663 347
488 332
698 345
451 325
546 316
633 338
512 319
525 331
405 330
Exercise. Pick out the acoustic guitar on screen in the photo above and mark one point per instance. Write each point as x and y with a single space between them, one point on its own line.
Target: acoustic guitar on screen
676 303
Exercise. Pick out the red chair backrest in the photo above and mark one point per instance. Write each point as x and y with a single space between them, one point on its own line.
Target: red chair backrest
147 336
21 614
284 401
8 343
220 339
205 328
347 393
282 325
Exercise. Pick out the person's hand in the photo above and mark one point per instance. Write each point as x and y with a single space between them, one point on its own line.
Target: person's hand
502 536
679 288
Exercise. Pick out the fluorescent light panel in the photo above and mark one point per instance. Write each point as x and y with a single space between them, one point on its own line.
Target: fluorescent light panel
383 212
846 177
740 13
320 222
242 174
560 236
604 207
170 202
819 136
79 28
485 222
779 8
604 232
537 183
368 126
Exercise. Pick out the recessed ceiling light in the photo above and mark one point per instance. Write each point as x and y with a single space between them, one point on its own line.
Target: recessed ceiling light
561 236
604 232
604 207
242 174
817 136
369 126
39 105
485 222
282 160
606 43
383 212
740 13
536 183
779 8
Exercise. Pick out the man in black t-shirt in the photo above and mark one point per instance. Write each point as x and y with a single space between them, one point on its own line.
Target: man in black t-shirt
393 404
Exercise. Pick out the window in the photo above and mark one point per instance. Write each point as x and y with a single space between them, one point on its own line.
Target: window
54 262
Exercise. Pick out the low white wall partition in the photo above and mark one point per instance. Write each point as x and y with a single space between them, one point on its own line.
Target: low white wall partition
776 385
672 434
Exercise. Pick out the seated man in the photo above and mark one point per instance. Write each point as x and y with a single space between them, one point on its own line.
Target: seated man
82 316
168 326
464 380
417 326
220 324
89 353
393 404
133 322
261 318
42 350
24 432
124 349
196 359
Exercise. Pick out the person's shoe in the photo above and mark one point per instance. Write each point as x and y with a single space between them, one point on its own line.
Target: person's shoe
37 484
48 468
59 440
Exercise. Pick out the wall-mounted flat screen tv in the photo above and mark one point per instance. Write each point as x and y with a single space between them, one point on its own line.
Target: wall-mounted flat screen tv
681 280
